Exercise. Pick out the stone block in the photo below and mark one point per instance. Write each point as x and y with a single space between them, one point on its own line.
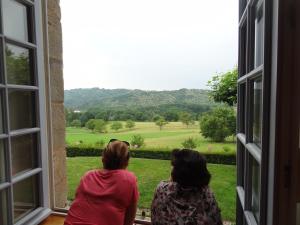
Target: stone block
56 81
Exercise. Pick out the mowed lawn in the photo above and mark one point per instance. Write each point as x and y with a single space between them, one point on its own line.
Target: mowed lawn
150 172
171 136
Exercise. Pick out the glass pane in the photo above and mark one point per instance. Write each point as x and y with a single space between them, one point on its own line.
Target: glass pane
3 208
24 153
255 189
21 109
1 113
242 108
259 36
257 111
2 162
243 51
18 65
25 197
15 23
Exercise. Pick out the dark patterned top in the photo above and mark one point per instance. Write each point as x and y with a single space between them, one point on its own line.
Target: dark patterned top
175 205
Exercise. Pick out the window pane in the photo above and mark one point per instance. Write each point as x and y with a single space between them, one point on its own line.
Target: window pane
257 111
15 23
255 189
1 113
24 153
242 108
243 51
259 36
21 109
18 65
2 162
25 197
3 208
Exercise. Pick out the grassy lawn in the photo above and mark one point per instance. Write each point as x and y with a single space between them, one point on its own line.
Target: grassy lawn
151 172
171 136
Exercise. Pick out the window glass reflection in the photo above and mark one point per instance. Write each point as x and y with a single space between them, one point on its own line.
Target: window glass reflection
259 36
15 23
257 111
3 208
21 109
25 203
18 65
2 162
24 153
255 189
1 113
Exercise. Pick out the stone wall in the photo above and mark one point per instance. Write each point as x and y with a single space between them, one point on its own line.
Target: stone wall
56 102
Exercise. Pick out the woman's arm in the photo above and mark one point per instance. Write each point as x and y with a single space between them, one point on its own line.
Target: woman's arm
130 214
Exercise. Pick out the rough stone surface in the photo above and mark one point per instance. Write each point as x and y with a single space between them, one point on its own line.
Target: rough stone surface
57 107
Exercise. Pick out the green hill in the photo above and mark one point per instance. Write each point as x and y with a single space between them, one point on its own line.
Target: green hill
84 99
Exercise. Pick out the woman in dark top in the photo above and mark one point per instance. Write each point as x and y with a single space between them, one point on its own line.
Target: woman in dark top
186 199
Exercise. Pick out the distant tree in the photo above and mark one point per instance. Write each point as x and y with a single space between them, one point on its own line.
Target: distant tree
116 125
190 143
100 125
76 123
187 119
137 141
130 124
171 116
161 122
86 117
90 124
218 124
224 87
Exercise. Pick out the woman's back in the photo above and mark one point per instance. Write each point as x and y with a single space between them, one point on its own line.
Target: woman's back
102 198
175 205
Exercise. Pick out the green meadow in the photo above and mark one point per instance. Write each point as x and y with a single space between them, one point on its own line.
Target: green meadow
150 172
171 136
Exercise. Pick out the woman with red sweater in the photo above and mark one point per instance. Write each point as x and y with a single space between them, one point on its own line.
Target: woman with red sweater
108 196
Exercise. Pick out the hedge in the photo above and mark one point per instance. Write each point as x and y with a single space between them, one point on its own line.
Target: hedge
215 158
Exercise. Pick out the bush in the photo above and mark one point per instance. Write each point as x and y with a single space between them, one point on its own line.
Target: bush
226 149
137 141
100 144
90 151
130 124
90 124
218 124
116 125
100 125
76 123
189 143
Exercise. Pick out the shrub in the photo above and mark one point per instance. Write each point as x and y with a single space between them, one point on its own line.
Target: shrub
189 143
90 124
76 123
100 125
218 124
116 126
130 124
100 144
90 151
137 141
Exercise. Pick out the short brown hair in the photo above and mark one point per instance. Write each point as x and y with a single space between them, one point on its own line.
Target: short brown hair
115 156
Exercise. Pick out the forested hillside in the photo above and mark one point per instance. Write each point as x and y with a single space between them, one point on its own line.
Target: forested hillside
83 99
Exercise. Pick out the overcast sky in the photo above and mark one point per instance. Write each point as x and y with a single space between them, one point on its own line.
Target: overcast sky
148 44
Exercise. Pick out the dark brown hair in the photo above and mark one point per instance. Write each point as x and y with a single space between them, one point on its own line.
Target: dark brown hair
189 168
115 156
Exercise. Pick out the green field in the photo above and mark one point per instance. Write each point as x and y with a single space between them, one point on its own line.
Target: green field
171 136
151 172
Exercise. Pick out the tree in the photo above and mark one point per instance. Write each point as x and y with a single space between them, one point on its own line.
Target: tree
187 119
224 87
90 124
76 123
116 125
137 141
189 143
130 124
161 122
100 125
218 124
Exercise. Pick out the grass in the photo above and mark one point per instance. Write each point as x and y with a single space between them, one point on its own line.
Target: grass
151 172
171 136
